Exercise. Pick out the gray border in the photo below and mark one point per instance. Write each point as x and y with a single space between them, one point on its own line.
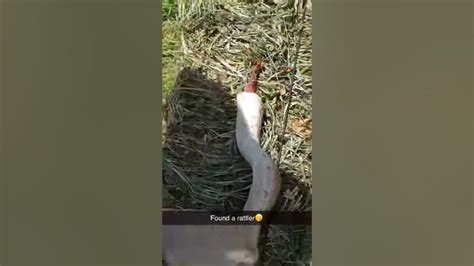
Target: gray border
81 91
3 187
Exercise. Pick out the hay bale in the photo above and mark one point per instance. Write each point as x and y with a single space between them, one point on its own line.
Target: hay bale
202 167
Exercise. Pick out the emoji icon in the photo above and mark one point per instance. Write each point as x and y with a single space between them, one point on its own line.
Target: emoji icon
258 217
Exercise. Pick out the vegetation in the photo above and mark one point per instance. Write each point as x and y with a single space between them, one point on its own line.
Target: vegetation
202 167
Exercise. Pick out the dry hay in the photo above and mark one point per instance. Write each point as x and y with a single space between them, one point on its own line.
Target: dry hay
202 167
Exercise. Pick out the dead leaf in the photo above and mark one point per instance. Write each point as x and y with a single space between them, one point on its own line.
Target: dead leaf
302 127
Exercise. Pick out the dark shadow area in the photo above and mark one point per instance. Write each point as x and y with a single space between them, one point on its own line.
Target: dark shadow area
202 168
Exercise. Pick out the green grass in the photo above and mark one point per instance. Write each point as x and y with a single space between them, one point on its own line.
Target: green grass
169 9
171 45
171 55
202 168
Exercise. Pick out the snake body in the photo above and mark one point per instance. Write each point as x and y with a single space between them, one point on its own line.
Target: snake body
231 245
265 176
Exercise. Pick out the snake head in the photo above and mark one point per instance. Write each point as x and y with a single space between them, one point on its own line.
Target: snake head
257 66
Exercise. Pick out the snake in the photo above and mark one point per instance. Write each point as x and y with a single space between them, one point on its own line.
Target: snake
232 245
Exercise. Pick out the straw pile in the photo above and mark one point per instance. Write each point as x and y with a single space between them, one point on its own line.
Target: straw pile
202 167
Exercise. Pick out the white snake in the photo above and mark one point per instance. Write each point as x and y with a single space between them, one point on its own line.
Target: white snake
231 245
266 179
